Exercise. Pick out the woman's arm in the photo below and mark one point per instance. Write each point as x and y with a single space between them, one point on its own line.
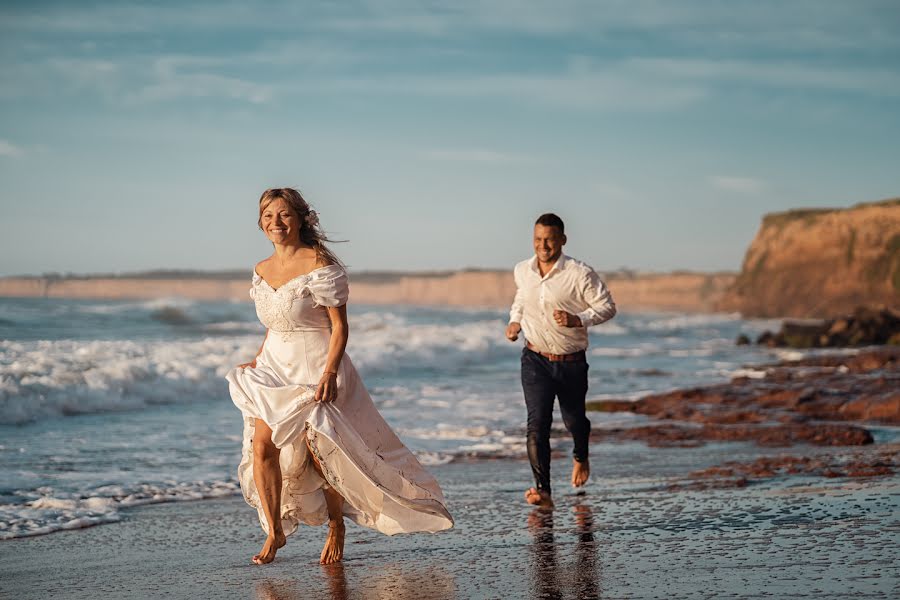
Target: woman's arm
340 332
252 363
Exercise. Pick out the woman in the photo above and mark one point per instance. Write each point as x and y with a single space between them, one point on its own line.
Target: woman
315 448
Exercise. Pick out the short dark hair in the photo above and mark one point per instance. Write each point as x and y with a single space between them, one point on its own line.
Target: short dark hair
551 220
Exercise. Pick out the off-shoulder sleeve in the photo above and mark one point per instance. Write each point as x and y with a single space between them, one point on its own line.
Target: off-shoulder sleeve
254 281
329 286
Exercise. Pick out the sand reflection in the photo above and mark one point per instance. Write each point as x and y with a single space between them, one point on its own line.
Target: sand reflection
386 581
274 589
576 577
337 581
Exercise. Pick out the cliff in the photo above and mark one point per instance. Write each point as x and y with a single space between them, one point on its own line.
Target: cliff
820 262
689 292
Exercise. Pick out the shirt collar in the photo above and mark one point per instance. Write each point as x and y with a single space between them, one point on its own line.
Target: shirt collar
559 265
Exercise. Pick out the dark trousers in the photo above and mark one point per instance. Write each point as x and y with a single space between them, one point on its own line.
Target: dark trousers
542 381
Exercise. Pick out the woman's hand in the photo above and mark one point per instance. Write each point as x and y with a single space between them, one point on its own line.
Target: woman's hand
251 364
327 390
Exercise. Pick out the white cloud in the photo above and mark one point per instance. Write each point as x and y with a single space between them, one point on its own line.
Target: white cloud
608 87
10 149
763 24
774 74
321 47
741 185
474 155
171 83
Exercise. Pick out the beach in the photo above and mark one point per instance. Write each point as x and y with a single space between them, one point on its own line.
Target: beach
682 291
120 445
626 537
212 209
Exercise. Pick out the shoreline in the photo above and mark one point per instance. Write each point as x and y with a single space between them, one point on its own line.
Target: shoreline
723 517
628 536
678 291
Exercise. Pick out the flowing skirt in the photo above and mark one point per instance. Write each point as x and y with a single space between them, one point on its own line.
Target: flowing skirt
384 486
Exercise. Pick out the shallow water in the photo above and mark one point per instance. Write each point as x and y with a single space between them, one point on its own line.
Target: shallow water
627 537
107 405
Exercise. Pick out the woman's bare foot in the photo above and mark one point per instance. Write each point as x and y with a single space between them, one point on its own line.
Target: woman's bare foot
334 543
267 554
539 498
580 473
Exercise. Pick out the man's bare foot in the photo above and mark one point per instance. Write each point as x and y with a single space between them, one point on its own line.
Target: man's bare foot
541 499
580 473
267 554
334 543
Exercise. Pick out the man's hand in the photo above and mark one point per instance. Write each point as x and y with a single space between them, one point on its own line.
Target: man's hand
512 331
564 319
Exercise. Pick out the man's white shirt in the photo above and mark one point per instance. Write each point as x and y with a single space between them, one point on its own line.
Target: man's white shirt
570 285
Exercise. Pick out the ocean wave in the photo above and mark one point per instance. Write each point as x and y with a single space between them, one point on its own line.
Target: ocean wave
610 328
65 377
633 352
46 510
129 308
676 322
448 432
384 344
50 378
747 372
433 459
234 327
171 315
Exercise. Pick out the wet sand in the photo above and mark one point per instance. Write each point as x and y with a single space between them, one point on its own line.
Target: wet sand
629 536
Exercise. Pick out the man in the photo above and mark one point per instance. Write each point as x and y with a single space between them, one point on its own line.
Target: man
557 299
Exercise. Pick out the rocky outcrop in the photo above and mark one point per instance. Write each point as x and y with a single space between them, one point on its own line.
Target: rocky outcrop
859 387
869 462
820 262
865 327
786 403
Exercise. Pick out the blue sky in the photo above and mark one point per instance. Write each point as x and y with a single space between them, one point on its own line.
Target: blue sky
431 134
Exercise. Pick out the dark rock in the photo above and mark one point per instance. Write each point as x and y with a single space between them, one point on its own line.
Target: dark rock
672 435
609 405
858 387
765 338
742 340
867 326
873 461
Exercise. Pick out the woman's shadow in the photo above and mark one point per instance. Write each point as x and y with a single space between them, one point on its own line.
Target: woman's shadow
578 578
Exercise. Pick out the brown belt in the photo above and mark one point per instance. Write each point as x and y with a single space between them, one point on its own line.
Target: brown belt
574 357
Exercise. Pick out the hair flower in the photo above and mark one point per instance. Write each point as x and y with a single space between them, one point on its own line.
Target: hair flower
312 219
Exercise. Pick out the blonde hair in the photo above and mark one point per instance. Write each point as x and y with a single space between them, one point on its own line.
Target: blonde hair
311 232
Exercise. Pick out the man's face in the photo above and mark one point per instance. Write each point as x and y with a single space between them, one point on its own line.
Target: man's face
548 243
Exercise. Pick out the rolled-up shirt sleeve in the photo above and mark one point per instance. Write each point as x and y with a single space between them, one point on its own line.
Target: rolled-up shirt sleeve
515 313
601 306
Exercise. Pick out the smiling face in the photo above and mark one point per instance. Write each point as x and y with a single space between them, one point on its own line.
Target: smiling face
548 243
280 222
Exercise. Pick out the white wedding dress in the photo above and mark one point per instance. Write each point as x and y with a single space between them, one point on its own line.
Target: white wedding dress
384 486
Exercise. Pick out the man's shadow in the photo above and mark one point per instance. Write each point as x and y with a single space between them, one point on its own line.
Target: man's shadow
577 578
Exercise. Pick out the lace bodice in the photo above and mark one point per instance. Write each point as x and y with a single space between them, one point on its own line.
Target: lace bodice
300 303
